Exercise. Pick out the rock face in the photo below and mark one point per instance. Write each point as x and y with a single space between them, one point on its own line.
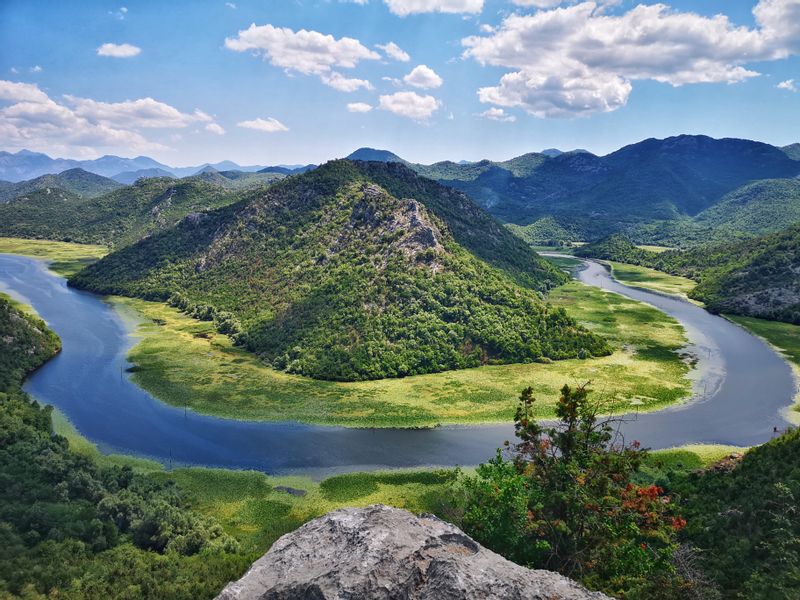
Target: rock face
386 553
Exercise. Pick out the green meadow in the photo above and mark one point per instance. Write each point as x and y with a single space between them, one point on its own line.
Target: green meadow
63 258
185 362
651 279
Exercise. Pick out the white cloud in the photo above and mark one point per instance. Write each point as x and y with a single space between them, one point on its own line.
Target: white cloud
231 5
410 104
359 107
497 114
36 69
14 70
268 125
118 50
422 76
577 60
29 118
143 113
119 14
307 52
394 51
344 84
787 85
410 7
215 128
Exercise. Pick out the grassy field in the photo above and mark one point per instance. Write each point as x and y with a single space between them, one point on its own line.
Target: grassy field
656 249
652 279
785 337
64 258
186 363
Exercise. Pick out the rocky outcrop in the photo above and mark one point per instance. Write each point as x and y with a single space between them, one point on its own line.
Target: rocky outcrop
387 553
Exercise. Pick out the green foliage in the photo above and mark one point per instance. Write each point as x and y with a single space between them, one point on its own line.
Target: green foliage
330 274
114 219
547 231
566 501
745 521
25 344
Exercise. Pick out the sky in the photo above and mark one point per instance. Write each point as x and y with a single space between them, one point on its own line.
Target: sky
304 81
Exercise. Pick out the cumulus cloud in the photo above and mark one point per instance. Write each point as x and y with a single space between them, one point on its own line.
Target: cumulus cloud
359 107
410 7
787 85
215 128
577 60
394 51
344 84
410 105
118 50
231 5
497 114
36 69
29 118
306 52
268 125
143 113
422 76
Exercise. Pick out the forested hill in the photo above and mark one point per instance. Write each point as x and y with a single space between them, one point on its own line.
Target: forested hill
758 277
76 181
355 271
114 219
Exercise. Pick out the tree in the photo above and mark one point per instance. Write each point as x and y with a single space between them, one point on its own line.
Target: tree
562 498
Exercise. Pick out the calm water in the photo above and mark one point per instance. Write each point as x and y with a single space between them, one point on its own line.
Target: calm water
744 387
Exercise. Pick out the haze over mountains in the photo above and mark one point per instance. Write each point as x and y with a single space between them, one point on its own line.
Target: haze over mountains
25 165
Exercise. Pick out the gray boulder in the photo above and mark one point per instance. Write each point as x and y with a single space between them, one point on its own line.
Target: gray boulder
387 553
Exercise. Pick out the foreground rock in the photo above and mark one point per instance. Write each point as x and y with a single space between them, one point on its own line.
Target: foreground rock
383 552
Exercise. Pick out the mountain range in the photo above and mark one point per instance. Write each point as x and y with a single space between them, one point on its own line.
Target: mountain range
24 165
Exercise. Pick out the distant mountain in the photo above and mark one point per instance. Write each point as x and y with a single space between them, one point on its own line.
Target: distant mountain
24 165
76 181
355 270
288 169
792 151
114 219
552 152
665 181
372 154
129 177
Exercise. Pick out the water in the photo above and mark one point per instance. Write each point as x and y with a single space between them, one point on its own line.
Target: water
747 385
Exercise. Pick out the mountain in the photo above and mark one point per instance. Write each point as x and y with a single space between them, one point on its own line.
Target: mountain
75 181
355 271
129 177
792 151
114 219
288 169
371 154
24 165
652 181
758 277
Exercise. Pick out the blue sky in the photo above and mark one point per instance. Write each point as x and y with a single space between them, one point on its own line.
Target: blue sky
503 77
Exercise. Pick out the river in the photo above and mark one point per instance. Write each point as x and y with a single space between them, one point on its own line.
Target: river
744 388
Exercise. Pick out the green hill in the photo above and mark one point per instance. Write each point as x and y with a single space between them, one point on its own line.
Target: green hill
757 208
76 181
792 151
757 277
355 271
114 219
